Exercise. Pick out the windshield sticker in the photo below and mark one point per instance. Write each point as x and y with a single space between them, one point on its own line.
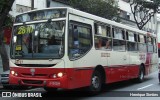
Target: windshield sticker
18 48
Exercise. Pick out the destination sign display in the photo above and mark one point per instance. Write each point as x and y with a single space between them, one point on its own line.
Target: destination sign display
41 15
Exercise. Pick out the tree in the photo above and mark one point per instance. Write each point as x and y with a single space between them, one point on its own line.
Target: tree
5 21
146 9
103 8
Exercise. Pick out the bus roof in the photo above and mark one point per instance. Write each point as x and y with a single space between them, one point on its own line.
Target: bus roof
109 22
98 19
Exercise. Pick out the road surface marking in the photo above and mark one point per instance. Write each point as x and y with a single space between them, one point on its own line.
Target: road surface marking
144 87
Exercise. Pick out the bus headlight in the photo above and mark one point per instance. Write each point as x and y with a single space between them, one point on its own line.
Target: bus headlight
60 74
54 76
15 74
12 72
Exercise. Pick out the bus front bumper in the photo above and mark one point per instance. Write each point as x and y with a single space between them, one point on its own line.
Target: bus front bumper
41 78
54 83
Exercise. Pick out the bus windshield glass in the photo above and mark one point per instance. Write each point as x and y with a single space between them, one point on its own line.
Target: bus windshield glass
38 40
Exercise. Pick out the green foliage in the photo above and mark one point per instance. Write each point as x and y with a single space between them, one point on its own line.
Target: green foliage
104 8
152 5
3 3
9 19
146 9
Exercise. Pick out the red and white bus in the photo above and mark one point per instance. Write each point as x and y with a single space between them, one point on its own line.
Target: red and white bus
67 48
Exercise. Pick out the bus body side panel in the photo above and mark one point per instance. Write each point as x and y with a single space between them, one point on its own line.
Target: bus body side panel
81 68
154 62
148 65
151 64
79 77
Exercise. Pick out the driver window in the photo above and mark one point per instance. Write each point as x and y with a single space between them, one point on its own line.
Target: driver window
80 40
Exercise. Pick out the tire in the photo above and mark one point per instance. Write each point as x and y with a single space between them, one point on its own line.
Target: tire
50 89
140 78
96 83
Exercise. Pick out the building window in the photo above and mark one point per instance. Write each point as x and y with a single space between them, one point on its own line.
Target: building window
21 8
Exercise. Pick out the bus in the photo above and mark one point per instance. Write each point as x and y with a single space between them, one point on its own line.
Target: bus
66 48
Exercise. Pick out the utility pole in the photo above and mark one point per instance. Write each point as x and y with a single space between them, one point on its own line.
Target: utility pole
32 4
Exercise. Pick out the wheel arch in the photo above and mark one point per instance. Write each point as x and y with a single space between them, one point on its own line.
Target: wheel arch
101 69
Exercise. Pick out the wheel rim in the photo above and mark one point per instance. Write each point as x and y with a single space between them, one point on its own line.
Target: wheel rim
95 82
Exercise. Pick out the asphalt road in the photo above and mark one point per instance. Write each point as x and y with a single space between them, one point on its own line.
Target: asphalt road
115 91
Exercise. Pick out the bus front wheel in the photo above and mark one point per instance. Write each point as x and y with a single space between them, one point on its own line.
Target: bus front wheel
96 82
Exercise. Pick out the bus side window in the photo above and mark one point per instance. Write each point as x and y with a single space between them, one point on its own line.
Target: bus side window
108 31
70 44
75 35
150 44
113 32
96 28
155 45
123 34
98 42
119 43
127 37
103 43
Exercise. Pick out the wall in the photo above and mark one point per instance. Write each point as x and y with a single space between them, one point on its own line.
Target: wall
57 4
21 6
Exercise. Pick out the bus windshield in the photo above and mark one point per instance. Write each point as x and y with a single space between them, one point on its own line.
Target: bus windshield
38 40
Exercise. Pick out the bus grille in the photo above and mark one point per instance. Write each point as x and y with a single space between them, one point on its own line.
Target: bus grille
32 82
36 75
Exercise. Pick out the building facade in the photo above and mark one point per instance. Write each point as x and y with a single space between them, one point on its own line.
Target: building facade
127 17
20 6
